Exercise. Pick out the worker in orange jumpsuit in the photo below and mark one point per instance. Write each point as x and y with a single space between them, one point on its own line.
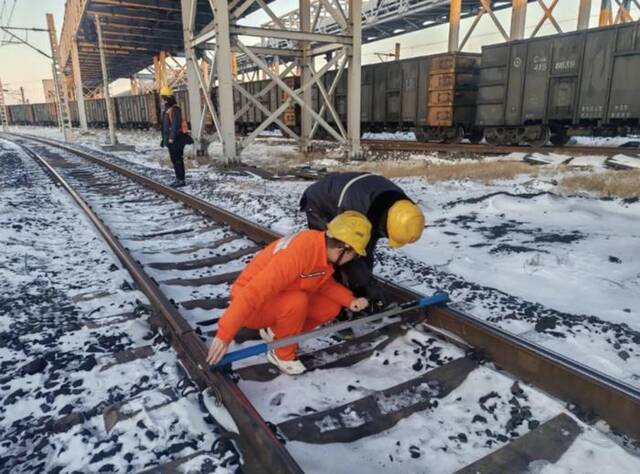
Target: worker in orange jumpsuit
288 288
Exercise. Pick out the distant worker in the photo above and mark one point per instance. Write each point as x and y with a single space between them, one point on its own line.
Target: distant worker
288 288
391 213
175 134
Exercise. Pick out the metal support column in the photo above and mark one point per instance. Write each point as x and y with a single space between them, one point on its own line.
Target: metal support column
135 90
113 139
77 80
4 119
296 41
59 81
455 8
606 14
518 19
193 72
225 81
584 12
354 76
159 70
305 66
56 97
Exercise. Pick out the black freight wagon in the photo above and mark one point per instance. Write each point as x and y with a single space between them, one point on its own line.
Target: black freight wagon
393 95
552 88
74 113
45 114
96 110
20 114
137 111
432 95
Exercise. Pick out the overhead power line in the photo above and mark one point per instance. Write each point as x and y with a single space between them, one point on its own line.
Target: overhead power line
25 41
13 7
22 28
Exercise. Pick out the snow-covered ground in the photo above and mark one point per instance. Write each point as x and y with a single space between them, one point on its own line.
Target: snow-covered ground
67 310
562 270
513 252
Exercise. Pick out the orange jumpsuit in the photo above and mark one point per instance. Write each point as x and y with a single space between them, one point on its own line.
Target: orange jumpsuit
288 287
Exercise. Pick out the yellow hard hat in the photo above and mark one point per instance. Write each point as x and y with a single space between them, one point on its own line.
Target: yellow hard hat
405 223
352 228
166 91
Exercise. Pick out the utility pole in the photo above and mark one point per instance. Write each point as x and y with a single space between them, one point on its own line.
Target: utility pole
22 95
3 110
77 80
113 139
59 81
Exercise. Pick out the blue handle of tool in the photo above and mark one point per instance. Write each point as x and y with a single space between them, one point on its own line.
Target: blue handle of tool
431 300
241 354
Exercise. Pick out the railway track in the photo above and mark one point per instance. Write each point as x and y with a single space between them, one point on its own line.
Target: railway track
470 148
183 253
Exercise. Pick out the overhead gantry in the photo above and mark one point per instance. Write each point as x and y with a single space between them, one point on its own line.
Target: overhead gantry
218 38
225 36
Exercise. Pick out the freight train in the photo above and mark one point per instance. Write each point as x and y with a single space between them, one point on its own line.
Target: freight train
521 92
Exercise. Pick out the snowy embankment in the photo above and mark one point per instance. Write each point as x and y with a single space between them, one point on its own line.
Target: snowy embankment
68 312
561 270
501 217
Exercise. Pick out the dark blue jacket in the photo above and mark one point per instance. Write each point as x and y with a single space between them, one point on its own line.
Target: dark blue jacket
369 194
171 128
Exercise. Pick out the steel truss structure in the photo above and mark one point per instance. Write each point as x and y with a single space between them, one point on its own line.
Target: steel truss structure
211 34
623 13
217 41
518 18
165 71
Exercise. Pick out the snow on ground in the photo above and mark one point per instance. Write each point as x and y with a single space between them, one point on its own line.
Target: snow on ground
562 270
603 141
625 161
410 136
58 372
512 252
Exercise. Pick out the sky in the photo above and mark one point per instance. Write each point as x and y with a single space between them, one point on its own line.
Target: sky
23 67
20 65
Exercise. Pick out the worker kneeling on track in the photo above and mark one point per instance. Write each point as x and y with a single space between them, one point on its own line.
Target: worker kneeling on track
288 288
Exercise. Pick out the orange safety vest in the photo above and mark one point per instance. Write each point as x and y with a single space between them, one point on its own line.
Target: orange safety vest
184 127
295 263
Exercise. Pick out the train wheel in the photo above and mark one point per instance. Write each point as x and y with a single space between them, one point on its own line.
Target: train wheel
458 135
542 140
475 137
493 137
560 139
420 135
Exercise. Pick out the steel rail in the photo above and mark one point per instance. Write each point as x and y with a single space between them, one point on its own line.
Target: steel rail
261 450
407 145
596 393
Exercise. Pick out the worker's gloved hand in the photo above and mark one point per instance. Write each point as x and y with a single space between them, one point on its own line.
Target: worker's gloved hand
376 298
358 304
217 350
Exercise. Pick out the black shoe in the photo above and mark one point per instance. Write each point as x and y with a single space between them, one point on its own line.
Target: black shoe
178 183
